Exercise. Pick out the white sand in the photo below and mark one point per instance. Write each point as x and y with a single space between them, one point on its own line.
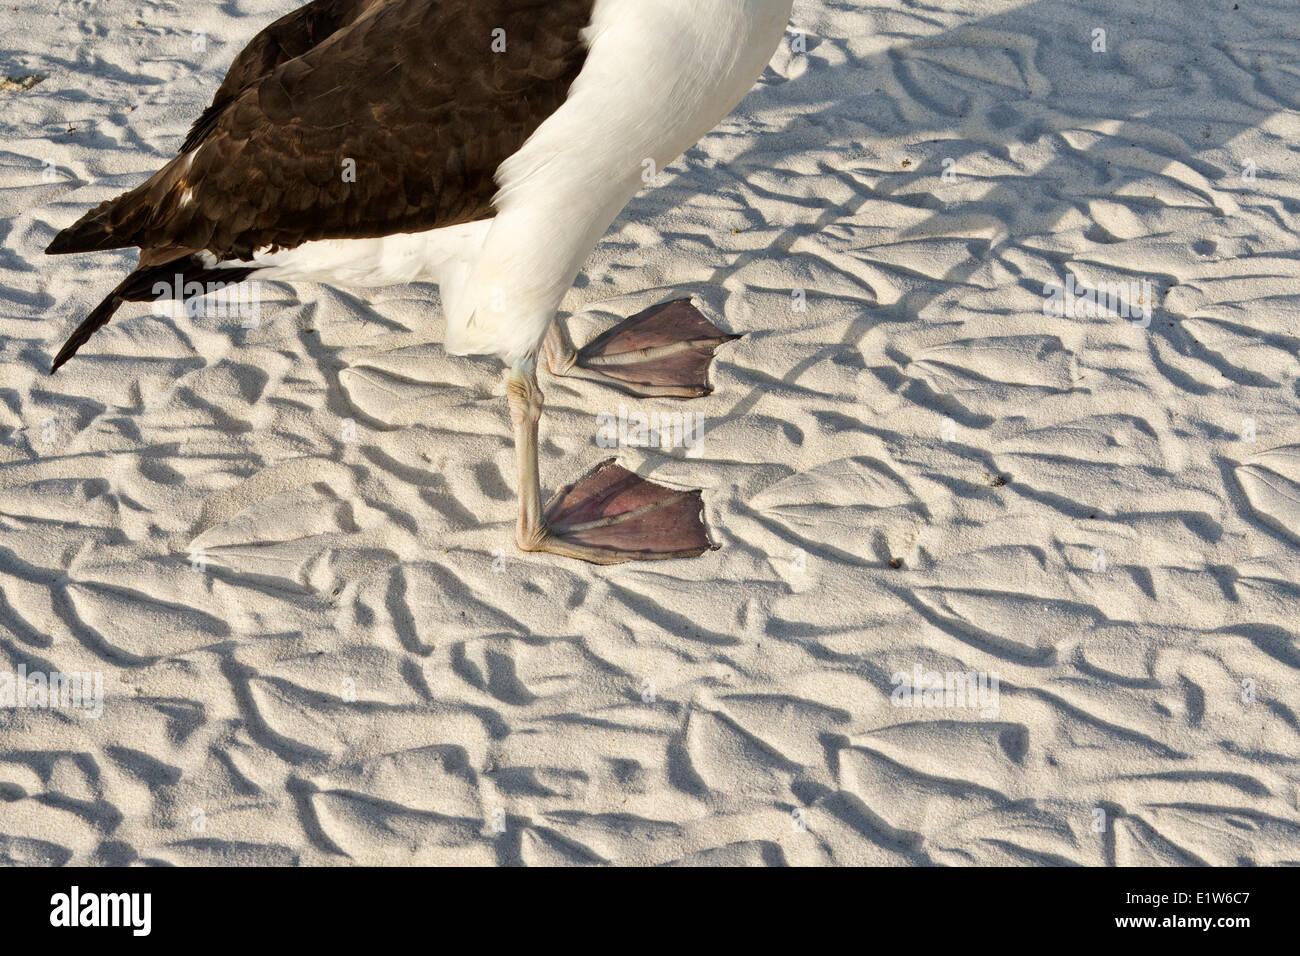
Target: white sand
1133 584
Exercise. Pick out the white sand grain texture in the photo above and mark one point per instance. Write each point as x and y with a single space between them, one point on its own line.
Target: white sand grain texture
358 667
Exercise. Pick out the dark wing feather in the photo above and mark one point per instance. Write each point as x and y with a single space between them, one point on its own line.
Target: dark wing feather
410 91
142 285
286 39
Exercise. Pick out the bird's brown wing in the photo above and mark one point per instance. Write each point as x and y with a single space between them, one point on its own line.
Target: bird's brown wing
286 39
395 123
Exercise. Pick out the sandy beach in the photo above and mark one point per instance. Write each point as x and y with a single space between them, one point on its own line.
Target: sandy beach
1004 471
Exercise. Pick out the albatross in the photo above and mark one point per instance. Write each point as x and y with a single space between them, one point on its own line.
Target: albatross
483 145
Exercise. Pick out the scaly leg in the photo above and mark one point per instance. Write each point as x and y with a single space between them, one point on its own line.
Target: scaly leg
663 352
608 516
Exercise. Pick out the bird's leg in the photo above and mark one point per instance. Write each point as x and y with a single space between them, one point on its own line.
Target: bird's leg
525 411
608 516
663 352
